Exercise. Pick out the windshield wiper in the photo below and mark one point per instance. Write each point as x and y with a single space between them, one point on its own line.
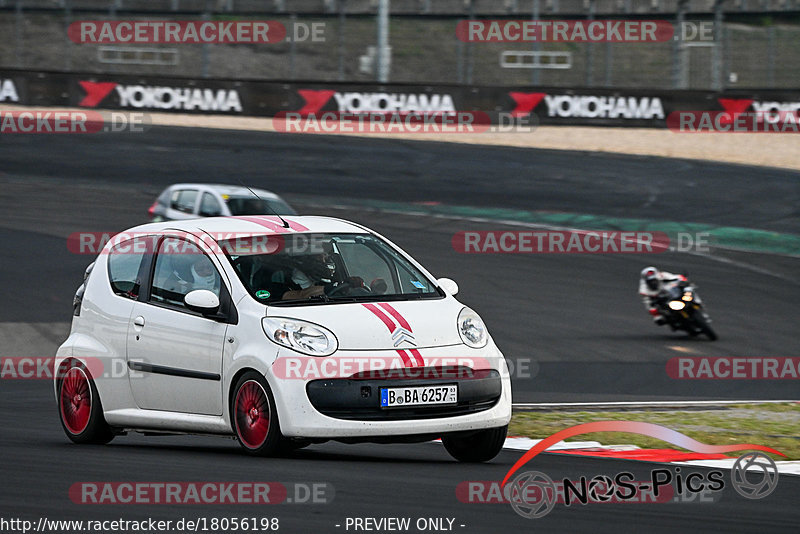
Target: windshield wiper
325 299
410 296
318 299
313 299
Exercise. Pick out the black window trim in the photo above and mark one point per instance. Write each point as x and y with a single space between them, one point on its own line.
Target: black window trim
227 314
140 276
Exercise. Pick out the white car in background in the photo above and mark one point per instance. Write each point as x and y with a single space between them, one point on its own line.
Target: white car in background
190 201
282 332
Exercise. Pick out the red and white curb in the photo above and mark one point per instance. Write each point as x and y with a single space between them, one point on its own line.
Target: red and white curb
519 443
633 452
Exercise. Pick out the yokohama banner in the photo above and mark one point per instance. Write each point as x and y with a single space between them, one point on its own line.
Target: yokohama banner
656 108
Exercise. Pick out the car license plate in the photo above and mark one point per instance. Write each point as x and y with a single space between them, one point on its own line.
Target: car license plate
419 396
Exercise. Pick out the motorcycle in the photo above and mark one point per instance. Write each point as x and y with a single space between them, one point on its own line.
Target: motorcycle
681 307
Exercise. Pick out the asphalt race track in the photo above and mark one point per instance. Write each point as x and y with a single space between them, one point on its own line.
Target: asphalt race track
413 481
575 321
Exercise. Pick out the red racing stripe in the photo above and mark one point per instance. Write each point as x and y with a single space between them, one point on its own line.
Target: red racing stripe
296 226
380 315
394 313
406 360
275 227
418 357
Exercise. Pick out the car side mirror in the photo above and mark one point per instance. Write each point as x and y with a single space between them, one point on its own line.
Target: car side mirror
202 301
449 286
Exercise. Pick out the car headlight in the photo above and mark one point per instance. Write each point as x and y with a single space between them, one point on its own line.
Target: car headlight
677 305
306 338
471 329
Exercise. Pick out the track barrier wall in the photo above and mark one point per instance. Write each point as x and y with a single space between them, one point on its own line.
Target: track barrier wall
550 105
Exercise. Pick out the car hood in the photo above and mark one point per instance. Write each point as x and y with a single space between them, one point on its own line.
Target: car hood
383 325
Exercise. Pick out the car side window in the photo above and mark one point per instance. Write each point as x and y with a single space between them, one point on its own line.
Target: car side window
209 206
124 262
410 282
181 267
184 200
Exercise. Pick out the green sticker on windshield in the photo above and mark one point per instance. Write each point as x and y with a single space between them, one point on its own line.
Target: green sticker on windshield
262 294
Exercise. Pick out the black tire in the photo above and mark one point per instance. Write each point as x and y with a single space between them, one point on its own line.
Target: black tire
254 418
702 323
473 447
79 408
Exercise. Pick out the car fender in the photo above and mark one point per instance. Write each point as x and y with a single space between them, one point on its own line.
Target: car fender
236 359
108 369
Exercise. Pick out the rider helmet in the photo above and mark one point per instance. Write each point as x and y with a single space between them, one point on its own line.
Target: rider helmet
650 277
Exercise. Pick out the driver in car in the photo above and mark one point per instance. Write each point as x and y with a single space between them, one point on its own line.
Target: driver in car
186 272
204 276
306 277
315 275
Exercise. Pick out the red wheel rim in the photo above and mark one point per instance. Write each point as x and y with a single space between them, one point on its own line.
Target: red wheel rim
75 400
252 414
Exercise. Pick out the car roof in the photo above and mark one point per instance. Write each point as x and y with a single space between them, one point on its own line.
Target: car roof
254 225
227 189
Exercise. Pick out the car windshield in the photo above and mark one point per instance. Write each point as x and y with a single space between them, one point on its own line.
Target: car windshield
324 268
257 206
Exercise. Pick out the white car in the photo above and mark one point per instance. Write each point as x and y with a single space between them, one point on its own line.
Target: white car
281 332
190 201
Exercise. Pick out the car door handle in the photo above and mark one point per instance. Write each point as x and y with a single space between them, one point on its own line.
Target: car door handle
139 321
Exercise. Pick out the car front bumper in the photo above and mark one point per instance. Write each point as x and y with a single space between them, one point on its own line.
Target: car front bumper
349 406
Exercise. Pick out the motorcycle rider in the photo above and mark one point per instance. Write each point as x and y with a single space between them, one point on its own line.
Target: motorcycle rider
652 283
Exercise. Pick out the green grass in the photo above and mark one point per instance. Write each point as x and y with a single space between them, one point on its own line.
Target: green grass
773 425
